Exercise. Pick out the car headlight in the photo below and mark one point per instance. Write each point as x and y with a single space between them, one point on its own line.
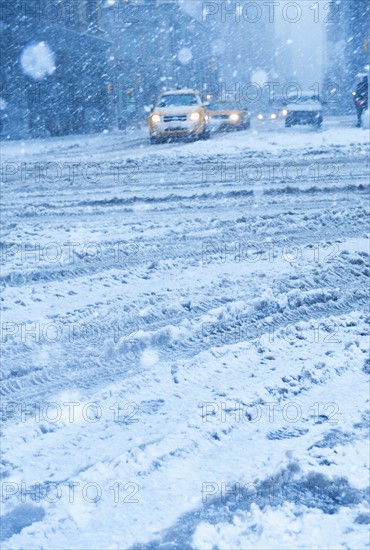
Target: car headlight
156 118
260 117
284 112
194 117
273 116
234 117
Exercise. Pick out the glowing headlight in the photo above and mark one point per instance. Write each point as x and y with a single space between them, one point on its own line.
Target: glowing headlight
273 116
234 117
194 117
156 118
206 117
284 112
260 117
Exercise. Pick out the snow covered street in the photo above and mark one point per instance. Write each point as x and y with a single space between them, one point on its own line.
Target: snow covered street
185 341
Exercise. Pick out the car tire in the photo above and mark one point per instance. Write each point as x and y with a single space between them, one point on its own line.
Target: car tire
153 140
205 135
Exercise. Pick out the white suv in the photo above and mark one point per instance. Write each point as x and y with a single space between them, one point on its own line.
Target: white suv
306 109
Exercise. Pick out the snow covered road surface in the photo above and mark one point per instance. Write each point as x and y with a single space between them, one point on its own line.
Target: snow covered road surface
185 341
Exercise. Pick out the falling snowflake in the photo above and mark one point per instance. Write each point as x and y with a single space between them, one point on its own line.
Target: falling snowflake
185 56
259 77
37 61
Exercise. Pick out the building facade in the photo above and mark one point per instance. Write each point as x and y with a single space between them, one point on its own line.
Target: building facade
243 46
94 64
348 24
54 68
157 46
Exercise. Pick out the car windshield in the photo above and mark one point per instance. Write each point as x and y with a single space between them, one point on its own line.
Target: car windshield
177 100
303 99
224 106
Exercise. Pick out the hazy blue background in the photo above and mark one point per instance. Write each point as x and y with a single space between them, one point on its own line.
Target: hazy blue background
305 39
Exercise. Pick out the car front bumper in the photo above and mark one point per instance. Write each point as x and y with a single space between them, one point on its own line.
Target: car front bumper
224 123
176 128
303 117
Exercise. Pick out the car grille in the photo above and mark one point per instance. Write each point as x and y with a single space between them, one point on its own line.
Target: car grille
219 117
174 118
176 129
304 113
